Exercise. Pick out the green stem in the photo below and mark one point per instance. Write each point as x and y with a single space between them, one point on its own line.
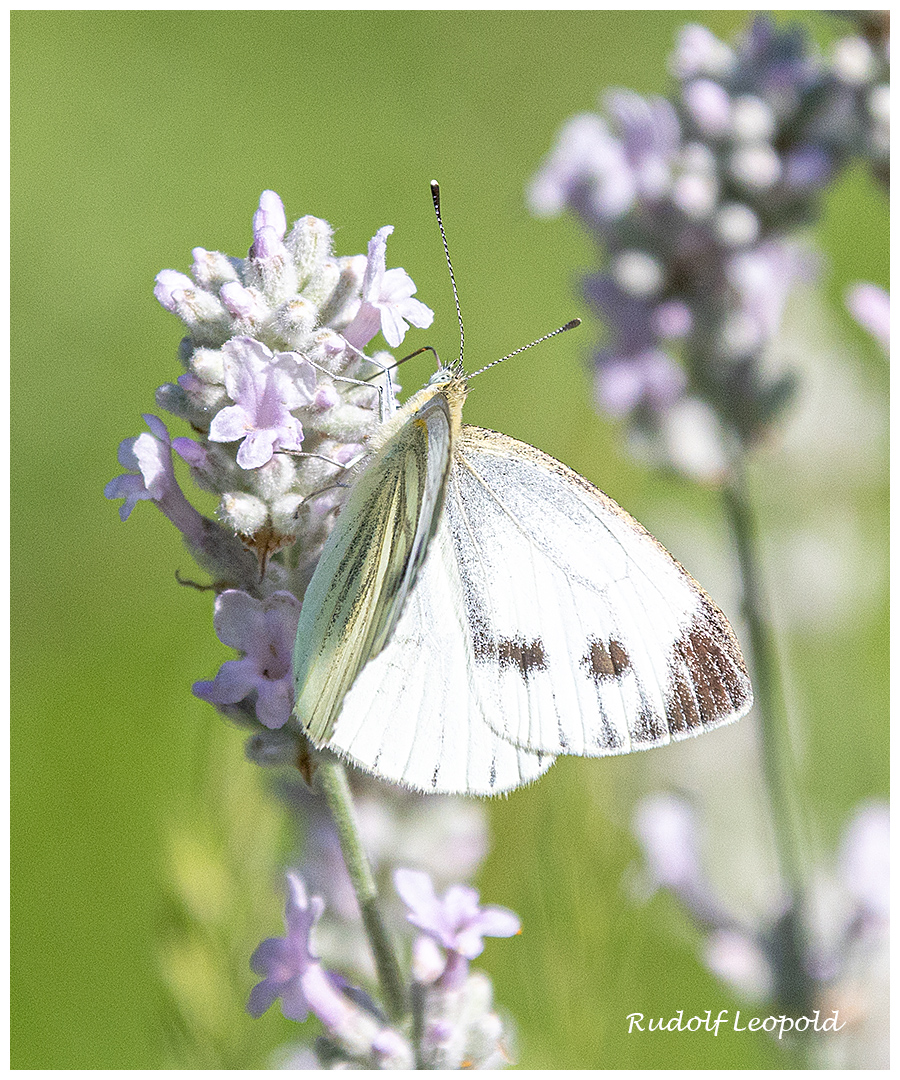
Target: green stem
767 683
794 990
333 778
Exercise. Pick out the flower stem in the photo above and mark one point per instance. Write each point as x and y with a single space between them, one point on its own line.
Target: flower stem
794 990
767 683
333 778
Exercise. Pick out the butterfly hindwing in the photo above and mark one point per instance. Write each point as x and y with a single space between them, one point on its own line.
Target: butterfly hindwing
370 562
587 636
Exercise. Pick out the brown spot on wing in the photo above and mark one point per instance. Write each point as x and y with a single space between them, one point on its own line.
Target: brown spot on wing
524 656
604 661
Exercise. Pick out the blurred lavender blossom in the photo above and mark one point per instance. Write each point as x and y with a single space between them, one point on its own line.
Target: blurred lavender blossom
452 1023
694 201
843 919
871 307
443 836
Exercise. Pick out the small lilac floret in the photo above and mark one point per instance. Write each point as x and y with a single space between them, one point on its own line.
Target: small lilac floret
148 456
649 378
456 922
387 300
293 973
672 319
152 476
586 158
264 631
265 388
285 961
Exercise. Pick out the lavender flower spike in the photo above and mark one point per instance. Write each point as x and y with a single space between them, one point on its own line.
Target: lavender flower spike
387 300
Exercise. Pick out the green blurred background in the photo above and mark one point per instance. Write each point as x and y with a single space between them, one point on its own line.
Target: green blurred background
139 135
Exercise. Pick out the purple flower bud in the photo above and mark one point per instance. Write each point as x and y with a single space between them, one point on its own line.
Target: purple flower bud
241 303
736 225
170 289
326 398
211 268
637 273
672 319
190 451
709 106
270 215
808 167
266 244
699 52
756 166
650 138
752 120
586 159
648 378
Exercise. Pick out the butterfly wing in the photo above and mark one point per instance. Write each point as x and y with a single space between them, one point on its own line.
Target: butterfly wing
370 562
587 636
414 714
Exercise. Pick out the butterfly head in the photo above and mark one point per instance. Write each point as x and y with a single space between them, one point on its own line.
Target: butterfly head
448 373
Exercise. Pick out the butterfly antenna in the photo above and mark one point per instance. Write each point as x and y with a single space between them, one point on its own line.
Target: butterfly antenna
436 199
560 330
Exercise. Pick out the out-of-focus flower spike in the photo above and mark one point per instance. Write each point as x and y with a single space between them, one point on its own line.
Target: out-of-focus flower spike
871 307
865 859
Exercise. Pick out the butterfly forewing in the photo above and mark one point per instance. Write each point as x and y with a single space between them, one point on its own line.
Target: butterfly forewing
370 563
587 636
414 715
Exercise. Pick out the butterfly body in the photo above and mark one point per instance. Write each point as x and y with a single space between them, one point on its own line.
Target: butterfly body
480 609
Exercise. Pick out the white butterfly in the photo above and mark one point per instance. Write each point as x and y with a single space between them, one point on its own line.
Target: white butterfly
479 609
